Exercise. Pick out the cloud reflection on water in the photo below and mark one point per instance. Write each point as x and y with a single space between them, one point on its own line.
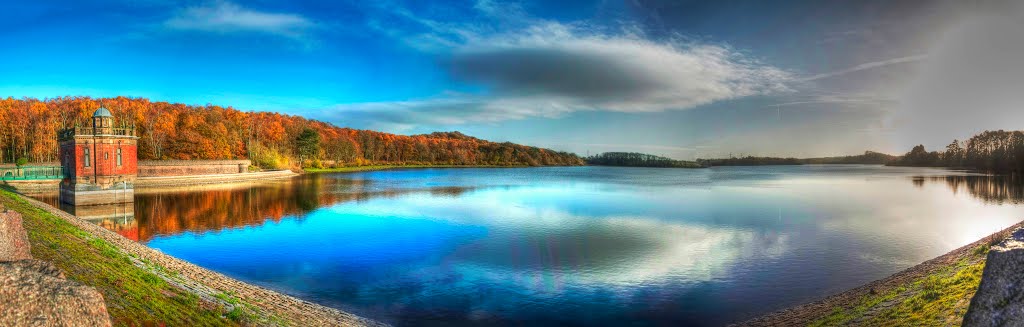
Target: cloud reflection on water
525 240
585 245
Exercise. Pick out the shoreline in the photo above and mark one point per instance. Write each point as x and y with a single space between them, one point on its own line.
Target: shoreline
354 169
212 286
824 312
162 181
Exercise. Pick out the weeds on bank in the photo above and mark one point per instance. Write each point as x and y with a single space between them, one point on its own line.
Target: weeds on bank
134 296
938 299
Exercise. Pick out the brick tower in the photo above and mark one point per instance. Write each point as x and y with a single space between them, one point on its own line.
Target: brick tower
99 162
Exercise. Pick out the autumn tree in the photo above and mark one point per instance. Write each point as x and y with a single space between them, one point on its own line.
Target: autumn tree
308 144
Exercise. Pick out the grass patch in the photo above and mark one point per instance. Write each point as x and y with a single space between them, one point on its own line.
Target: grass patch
235 314
941 298
938 299
386 167
228 298
134 296
982 250
841 316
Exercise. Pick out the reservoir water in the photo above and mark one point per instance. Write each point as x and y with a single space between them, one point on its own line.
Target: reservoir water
570 245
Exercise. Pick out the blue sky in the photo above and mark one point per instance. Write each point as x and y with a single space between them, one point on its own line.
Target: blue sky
679 78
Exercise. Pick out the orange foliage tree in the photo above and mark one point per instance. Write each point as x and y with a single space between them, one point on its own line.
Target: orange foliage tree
177 131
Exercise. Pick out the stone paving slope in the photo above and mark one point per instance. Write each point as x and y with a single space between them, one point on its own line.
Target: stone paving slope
299 312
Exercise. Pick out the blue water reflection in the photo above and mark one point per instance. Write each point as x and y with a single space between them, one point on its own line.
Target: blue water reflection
577 245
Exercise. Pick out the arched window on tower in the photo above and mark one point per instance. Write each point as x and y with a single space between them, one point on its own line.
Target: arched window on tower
87 163
119 157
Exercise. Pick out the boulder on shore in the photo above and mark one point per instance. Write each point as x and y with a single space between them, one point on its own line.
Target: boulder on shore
35 293
999 300
13 240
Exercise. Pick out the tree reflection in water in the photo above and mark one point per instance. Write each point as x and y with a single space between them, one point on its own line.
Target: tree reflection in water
988 189
200 209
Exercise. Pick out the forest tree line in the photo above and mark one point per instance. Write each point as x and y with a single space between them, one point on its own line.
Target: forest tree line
868 158
270 140
993 151
750 161
633 159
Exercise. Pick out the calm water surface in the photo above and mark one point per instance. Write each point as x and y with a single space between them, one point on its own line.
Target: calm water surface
572 245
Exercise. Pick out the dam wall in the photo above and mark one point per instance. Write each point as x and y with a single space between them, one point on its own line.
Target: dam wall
166 168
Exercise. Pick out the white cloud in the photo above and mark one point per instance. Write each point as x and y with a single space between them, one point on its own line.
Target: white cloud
552 69
625 72
226 17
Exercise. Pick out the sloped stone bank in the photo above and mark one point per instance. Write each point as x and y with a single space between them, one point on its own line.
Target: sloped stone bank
290 309
34 292
806 314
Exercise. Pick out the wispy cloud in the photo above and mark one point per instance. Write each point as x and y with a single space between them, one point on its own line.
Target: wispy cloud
227 17
837 99
865 66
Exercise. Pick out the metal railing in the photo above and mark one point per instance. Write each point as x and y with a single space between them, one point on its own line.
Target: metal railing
75 131
31 173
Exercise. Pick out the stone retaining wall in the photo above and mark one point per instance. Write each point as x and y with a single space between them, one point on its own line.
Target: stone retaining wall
160 168
165 181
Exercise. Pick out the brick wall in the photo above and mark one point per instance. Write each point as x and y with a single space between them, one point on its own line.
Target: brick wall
158 168
102 159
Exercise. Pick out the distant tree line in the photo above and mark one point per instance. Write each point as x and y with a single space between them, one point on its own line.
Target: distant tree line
271 140
633 159
749 161
868 158
993 151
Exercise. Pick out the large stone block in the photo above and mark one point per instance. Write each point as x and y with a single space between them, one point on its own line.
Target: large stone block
35 293
13 239
999 300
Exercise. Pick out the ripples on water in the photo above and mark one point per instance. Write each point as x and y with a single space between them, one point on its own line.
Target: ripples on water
573 245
